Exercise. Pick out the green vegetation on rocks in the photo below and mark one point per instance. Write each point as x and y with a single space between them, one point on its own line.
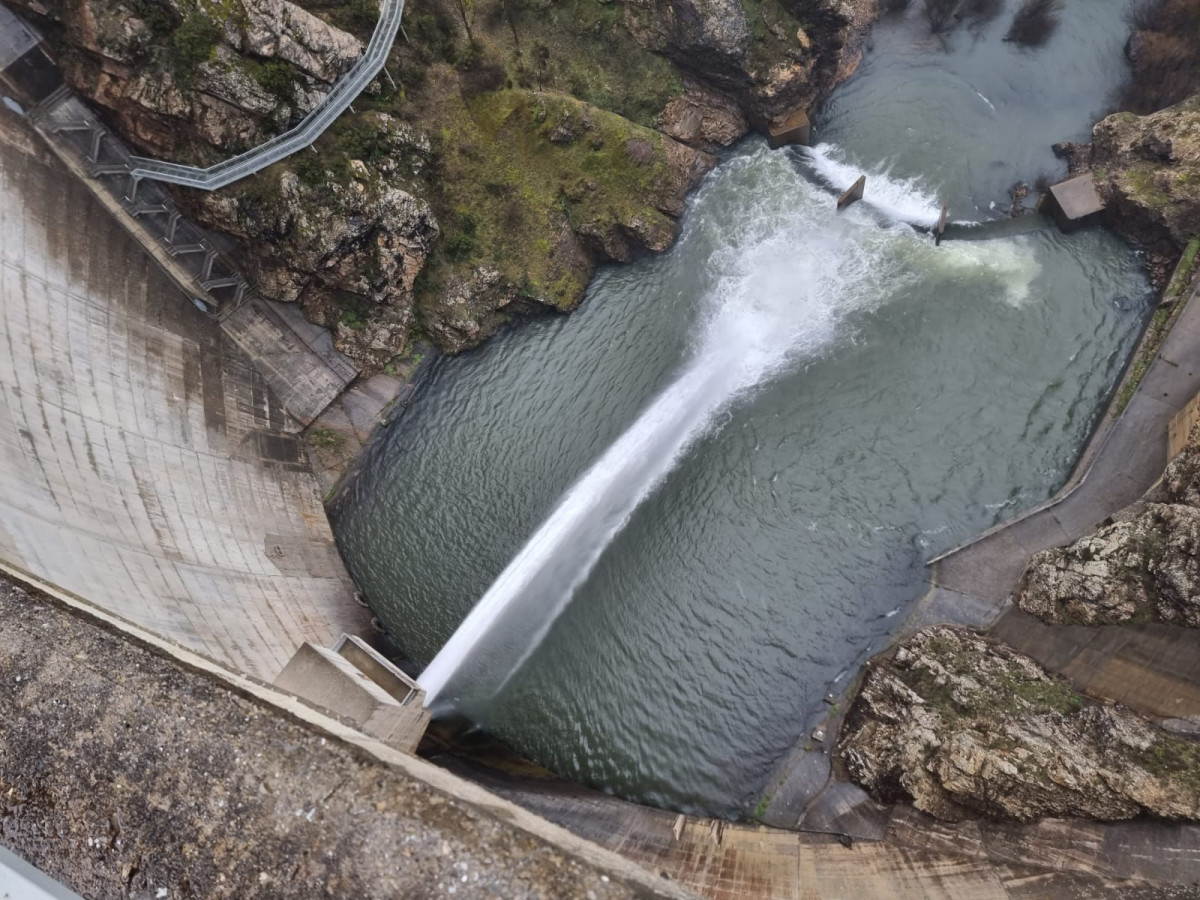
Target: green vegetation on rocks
554 135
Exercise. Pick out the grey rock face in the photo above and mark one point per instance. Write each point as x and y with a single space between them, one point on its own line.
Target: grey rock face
1145 565
354 233
963 727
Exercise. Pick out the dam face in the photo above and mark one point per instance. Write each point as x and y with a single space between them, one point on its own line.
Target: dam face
144 463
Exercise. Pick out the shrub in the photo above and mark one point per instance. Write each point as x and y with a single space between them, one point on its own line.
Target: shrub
276 78
484 77
982 10
1034 22
193 42
1164 53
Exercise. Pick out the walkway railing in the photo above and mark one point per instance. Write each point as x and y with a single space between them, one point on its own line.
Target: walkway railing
314 124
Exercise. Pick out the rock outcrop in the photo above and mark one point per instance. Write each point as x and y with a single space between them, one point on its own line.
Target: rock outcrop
196 81
511 149
347 241
1144 565
771 58
1147 169
964 727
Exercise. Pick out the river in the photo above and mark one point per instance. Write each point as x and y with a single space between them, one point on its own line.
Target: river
696 504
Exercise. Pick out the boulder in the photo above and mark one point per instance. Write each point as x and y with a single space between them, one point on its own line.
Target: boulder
1144 565
964 727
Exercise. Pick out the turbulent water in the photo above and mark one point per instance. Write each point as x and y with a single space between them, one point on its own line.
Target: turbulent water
693 505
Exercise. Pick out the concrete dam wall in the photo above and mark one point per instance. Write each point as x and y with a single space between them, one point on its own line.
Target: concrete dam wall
144 463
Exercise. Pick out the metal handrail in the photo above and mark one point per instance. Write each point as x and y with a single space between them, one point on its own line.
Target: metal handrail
311 128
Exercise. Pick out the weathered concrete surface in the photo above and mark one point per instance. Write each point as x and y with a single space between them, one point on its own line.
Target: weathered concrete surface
124 773
1073 202
917 857
1181 425
296 358
144 463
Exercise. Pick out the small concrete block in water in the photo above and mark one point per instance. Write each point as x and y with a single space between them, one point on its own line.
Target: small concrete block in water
818 735
941 225
795 129
1072 202
853 193
354 682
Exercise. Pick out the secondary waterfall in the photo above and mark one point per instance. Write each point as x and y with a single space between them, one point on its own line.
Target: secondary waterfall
785 277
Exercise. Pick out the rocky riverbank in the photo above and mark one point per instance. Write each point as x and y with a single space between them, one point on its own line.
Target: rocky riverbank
513 146
1143 565
1147 170
1147 167
962 727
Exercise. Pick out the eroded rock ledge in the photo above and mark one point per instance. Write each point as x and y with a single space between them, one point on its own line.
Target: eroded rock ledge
964 727
1144 565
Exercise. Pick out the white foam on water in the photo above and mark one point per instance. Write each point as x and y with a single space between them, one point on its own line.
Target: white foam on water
1009 262
781 276
900 199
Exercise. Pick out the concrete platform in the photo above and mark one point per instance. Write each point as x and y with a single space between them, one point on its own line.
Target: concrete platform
353 682
1073 203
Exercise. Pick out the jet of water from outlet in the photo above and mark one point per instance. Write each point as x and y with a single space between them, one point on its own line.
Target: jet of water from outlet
786 272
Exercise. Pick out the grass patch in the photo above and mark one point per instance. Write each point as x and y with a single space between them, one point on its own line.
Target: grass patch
1000 693
1172 759
584 48
1142 181
326 439
760 809
1156 332
514 169
1185 270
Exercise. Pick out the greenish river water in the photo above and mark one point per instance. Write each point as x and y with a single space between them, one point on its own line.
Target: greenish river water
697 503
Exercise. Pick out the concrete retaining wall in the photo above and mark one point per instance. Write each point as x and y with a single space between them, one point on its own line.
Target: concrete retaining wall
144 463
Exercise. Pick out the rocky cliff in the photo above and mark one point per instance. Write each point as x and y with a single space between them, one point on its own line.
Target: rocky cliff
513 146
1144 565
1147 169
962 727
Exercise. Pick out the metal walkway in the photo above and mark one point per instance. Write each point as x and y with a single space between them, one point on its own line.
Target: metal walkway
283 145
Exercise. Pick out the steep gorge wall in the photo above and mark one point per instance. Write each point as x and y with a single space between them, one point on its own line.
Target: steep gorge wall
144 464
514 145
